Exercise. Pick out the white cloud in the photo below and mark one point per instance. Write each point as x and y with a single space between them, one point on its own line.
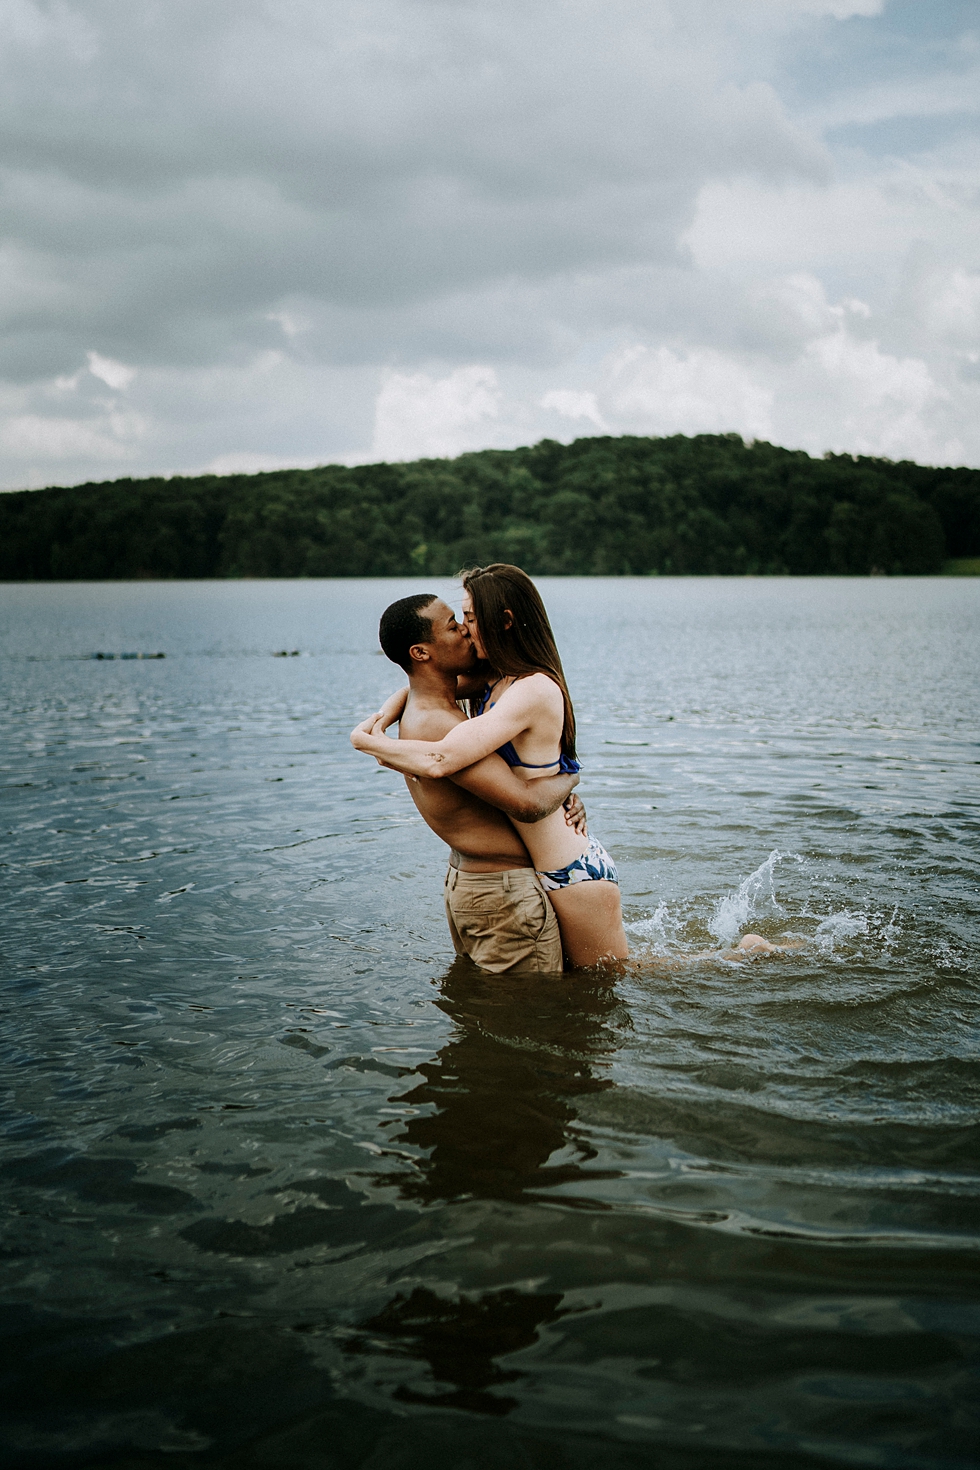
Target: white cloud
115 374
870 377
292 323
799 301
838 9
832 387
34 437
843 9
954 309
881 404
574 405
660 391
417 416
246 463
837 391
861 225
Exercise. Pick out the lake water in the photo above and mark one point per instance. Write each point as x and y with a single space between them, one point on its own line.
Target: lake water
284 1188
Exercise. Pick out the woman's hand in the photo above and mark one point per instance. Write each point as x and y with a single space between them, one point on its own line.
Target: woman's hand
368 730
575 814
362 733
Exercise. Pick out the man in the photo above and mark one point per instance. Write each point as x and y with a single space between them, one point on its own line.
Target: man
498 911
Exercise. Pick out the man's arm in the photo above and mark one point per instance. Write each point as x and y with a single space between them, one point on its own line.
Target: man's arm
576 815
390 712
472 685
493 781
468 686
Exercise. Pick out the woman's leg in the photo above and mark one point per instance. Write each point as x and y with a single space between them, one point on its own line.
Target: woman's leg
590 917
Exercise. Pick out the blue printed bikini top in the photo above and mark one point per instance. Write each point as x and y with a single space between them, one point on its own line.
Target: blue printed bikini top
566 765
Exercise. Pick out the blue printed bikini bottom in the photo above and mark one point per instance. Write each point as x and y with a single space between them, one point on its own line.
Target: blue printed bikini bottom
595 862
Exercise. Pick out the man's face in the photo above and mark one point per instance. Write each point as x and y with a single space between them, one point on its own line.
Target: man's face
449 646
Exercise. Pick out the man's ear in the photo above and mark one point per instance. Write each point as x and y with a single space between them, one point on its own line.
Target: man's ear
508 619
419 653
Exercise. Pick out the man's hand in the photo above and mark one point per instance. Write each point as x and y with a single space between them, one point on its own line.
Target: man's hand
575 814
390 712
472 684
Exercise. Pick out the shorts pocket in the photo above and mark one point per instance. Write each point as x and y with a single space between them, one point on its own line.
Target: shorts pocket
537 910
479 903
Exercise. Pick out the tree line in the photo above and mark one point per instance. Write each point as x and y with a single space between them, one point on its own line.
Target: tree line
703 505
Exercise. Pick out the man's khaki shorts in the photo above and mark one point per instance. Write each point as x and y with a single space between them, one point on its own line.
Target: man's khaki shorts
503 921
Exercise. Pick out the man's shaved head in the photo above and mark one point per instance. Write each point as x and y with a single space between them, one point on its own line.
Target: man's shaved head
402 624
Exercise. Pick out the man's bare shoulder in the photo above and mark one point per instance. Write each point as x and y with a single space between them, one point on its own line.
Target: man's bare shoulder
429 723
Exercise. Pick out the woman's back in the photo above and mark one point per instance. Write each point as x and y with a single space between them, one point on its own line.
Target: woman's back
538 705
531 753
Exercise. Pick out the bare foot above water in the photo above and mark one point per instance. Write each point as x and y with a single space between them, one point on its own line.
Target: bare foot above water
754 943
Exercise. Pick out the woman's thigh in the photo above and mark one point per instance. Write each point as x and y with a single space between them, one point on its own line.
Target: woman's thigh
590 917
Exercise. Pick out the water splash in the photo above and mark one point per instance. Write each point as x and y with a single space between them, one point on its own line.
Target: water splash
891 930
835 934
754 898
837 929
946 957
654 929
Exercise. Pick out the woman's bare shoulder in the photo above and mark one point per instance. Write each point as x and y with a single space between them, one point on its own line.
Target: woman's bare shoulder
537 689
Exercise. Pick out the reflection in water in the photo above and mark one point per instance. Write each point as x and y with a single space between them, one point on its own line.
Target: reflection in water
460 1340
503 1089
499 1103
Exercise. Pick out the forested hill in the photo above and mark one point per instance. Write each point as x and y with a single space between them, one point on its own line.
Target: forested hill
603 506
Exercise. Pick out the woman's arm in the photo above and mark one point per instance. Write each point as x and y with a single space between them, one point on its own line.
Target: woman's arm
422 757
468 741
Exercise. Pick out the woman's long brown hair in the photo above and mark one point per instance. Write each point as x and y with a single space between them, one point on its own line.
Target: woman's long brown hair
528 645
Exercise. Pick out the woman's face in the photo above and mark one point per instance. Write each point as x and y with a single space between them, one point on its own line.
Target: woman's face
469 620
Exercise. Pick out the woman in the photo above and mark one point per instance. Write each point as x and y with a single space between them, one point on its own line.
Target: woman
525 714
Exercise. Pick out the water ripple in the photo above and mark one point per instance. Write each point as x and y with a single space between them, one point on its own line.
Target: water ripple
277 1174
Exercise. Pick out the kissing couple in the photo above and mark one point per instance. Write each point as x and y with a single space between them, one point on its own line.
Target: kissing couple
527 886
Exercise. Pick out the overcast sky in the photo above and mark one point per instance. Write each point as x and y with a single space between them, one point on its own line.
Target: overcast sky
240 235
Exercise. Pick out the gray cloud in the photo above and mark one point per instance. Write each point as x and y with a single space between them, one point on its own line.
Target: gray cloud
266 209
169 171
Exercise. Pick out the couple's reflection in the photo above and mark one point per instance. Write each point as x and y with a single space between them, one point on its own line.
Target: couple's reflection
497 1121
502 1091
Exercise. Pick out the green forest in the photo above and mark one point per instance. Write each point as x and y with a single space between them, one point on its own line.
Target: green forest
705 505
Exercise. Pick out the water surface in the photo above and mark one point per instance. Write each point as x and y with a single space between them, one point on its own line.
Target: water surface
283 1187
